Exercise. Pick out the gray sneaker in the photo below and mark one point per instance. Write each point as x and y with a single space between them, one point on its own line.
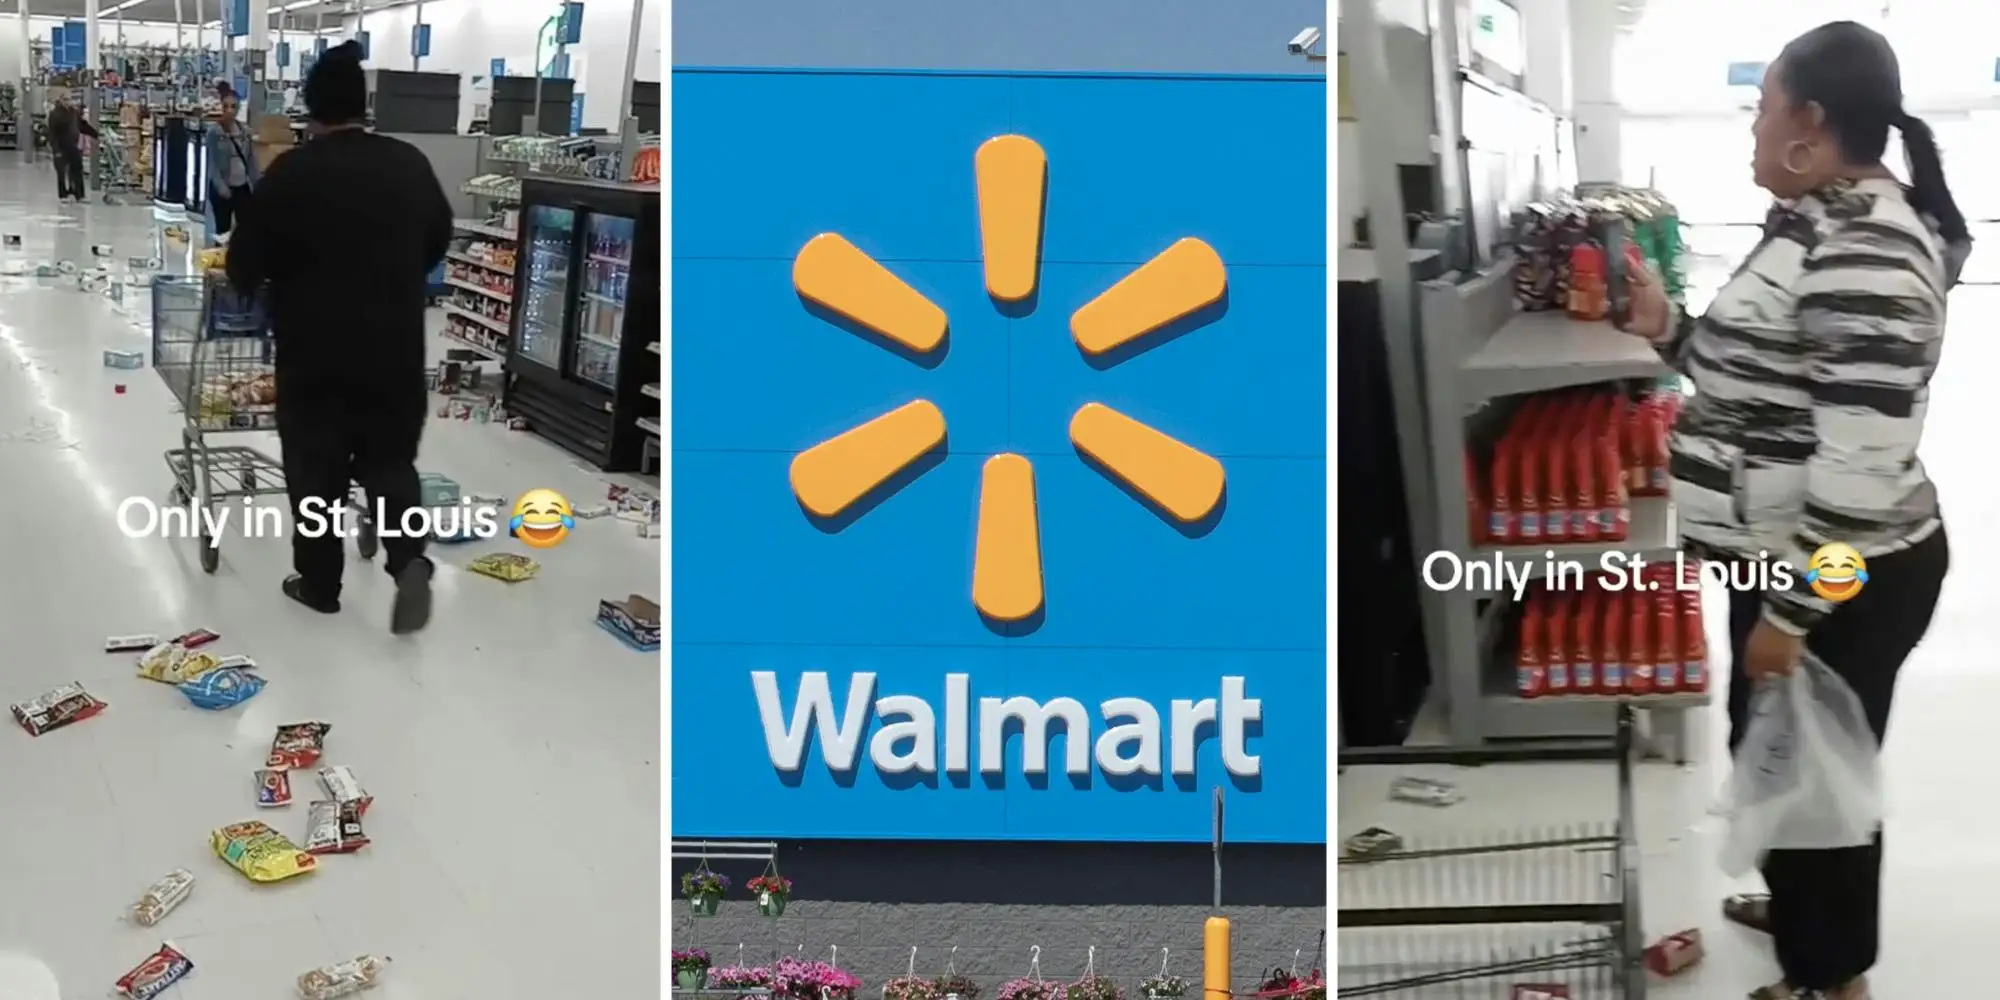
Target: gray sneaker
412 610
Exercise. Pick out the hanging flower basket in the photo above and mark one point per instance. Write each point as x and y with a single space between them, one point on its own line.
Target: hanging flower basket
1163 987
691 969
1092 987
959 985
772 891
703 889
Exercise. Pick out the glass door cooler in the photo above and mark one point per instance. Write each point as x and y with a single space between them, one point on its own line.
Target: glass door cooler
584 364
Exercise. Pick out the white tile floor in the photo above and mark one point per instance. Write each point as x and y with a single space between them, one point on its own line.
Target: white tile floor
1942 860
511 748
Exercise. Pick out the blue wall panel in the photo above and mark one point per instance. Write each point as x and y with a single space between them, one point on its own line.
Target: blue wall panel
1135 164
1135 606
789 156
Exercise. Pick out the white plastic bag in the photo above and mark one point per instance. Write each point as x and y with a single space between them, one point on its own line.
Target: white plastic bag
1807 774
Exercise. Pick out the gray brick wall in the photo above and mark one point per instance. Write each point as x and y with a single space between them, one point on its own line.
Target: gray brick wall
994 941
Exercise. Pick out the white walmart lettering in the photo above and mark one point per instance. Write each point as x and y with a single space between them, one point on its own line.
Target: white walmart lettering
906 740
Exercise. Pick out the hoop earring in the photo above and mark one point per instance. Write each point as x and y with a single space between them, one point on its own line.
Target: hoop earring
1786 159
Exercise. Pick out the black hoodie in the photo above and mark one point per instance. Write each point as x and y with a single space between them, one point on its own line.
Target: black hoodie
344 233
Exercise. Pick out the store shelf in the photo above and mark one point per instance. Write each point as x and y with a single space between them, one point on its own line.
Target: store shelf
1539 351
604 259
466 258
482 229
649 426
459 341
651 389
605 300
1654 535
491 324
609 345
491 293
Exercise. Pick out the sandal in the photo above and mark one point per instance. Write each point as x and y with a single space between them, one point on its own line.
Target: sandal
1750 909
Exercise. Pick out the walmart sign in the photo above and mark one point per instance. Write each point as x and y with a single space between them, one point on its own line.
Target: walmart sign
999 448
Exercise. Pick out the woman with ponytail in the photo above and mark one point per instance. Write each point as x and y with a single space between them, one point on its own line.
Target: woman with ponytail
1812 372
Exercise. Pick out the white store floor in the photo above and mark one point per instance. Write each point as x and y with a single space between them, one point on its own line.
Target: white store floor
1942 860
511 748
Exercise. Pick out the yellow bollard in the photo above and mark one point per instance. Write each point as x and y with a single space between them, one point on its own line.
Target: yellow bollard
1215 959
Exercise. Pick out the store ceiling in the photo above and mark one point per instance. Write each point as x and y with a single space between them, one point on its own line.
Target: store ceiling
162 11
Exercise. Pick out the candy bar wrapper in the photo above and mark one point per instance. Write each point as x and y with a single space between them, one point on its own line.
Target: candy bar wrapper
130 643
298 745
162 897
173 663
260 853
220 689
156 975
505 566
197 638
342 787
334 828
67 704
274 788
344 980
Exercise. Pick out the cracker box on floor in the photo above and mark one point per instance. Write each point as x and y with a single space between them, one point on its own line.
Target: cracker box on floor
634 620
434 490
1675 953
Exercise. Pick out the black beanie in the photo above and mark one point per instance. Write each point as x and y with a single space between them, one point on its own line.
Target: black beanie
336 90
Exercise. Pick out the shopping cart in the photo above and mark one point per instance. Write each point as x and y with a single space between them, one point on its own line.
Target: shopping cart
212 347
114 165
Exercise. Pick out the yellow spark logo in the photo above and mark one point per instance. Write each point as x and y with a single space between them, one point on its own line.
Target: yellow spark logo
1012 177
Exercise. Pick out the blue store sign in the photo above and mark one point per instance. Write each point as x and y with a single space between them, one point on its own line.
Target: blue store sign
570 30
1101 595
420 40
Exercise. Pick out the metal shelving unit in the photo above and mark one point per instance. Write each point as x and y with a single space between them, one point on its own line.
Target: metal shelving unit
1454 361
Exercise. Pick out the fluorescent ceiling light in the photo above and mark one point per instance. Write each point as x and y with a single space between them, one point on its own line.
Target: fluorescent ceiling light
127 5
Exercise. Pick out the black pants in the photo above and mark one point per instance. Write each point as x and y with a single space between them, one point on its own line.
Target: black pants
228 208
334 436
1826 905
69 171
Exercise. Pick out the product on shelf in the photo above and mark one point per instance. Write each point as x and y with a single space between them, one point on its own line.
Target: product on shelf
1560 245
1643 638
1564 467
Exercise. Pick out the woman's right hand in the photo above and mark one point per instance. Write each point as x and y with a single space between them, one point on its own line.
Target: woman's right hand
1652 314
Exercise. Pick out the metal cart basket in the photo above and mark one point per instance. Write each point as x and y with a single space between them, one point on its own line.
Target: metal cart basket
1517 913
213 349
113 161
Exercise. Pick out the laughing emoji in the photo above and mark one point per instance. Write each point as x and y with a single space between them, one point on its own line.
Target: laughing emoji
1836 572
542 519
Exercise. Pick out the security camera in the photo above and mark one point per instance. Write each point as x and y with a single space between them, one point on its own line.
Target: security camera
1303 41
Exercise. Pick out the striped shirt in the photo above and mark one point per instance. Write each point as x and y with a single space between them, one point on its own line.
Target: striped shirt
1812 374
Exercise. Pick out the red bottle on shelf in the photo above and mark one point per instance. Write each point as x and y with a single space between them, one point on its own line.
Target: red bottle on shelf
1475 502
1528 484
1556 639
1530 669
1500 517
1556 490
1614 511
1666 642
1611 644
1583 660
1584 515
1694 644
1588 298
1639 650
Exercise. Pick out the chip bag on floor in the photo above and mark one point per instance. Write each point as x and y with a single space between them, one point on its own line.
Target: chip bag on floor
173 663
505 566
260 853
224 688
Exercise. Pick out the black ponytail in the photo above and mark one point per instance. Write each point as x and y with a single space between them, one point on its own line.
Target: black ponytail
1928 192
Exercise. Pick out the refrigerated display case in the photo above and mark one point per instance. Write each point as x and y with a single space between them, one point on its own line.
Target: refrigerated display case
583 363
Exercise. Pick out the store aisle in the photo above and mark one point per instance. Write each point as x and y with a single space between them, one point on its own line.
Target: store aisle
1940 854
511 748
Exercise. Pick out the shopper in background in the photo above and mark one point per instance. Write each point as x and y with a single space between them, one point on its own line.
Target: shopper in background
66 128
347 230
1811 371
232 165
